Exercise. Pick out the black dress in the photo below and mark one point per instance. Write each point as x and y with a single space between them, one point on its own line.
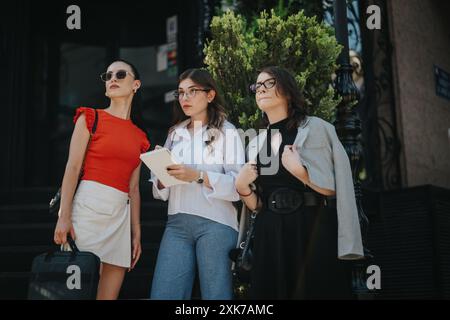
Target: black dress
295 254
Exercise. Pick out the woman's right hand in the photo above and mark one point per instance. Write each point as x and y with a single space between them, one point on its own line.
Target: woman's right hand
63 227
246 176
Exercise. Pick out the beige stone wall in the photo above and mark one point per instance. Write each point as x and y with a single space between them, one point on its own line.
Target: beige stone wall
420 35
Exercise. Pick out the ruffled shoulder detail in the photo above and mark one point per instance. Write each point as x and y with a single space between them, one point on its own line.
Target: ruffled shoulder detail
145 145
89 113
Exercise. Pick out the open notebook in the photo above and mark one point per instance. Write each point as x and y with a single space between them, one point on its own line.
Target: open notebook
157 161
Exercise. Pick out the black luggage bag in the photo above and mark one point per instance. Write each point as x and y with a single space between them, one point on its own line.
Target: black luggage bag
64 275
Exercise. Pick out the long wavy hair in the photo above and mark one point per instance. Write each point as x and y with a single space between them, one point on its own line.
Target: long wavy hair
215 110
287 87
136 103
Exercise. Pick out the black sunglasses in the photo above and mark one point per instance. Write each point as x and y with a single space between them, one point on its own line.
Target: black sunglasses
269 83
120 74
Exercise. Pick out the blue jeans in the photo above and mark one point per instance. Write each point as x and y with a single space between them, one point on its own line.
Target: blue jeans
187 240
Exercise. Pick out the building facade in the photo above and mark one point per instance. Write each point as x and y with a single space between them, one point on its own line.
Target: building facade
50 68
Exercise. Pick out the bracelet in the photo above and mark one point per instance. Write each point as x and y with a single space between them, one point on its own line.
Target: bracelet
244 195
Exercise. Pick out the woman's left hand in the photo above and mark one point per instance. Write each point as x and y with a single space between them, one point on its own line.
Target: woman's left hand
136 249
182 172
291 161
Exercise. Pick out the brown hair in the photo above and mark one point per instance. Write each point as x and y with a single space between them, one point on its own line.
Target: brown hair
287 87
216 110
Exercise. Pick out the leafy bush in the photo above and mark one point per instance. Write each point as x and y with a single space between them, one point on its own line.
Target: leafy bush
238 48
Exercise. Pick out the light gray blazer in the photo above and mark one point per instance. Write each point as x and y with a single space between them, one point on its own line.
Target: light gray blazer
328 167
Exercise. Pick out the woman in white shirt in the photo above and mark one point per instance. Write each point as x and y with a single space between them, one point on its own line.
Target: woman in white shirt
202 220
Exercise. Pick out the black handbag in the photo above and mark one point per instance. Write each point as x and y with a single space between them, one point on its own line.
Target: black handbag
55 202
243 255
64 275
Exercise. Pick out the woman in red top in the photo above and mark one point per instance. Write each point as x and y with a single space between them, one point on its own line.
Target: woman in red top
103 213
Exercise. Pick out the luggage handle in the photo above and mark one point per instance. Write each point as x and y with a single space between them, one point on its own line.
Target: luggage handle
72 245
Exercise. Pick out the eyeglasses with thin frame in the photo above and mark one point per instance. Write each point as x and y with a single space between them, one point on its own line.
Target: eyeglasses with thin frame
269 83
178 94
120 74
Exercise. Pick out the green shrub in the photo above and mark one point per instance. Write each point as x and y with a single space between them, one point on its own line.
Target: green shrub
237 49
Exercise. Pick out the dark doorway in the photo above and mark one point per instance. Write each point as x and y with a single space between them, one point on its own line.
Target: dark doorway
69 62
50 70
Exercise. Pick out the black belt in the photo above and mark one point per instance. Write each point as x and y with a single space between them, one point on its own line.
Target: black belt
286 200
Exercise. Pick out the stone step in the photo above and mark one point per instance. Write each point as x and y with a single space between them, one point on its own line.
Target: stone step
33 195
137 285
14 285
20 258
38 212
28 195
24 234
25 213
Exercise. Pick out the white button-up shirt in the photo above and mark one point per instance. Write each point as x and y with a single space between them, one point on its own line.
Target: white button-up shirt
221 159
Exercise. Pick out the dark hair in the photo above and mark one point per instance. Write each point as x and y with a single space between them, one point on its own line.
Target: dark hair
216 110
287 87
136 104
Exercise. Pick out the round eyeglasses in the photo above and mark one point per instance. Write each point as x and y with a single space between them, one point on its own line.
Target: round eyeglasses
179 94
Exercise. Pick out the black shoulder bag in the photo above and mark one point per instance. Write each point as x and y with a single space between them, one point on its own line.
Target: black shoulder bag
55 202
242 256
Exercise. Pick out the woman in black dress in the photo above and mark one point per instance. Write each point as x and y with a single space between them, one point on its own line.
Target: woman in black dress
296 230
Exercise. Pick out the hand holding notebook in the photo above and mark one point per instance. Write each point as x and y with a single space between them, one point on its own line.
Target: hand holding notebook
157 161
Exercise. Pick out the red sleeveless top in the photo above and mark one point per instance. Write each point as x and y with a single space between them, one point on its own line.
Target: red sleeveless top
114 151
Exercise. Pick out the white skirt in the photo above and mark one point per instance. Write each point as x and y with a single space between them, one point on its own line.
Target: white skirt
101 220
